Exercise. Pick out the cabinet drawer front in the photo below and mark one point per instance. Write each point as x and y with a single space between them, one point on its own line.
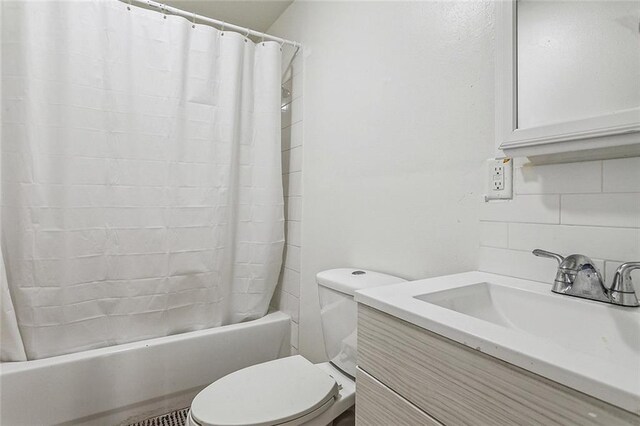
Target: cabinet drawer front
460 386
376 404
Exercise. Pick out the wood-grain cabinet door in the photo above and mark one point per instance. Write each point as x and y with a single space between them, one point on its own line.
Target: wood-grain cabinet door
460 386
378 405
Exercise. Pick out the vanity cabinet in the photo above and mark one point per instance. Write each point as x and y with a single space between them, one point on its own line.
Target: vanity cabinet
408 375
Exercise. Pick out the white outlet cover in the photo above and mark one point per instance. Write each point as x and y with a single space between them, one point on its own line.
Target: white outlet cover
499 170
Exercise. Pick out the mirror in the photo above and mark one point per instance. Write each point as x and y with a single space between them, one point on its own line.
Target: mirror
568 78
576 59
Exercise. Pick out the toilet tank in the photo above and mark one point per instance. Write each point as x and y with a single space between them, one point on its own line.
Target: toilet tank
338 310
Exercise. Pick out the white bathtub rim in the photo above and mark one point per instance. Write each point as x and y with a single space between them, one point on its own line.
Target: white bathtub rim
15 366
113 384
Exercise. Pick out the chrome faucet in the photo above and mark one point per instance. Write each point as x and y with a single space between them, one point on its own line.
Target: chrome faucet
578 276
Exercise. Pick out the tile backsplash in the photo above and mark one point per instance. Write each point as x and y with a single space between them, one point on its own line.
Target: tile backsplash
592 208
287 295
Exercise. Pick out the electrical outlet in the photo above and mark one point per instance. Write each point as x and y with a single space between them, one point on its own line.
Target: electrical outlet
498 177
500 182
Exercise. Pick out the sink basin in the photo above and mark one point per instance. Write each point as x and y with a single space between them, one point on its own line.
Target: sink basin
609 334
590 346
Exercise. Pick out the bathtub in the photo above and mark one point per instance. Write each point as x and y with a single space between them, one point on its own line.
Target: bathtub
130 382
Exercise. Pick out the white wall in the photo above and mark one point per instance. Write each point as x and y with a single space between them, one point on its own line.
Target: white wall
592 208
398 119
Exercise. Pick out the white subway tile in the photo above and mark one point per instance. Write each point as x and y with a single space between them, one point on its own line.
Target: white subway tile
293 182
294 208
296 86
295 159
622 175
494 234
521 264
291 281
292 258
296 134
515 263
620 210
584 177
293 233
523 208
592 241
285 139
290 305
285 115
599 225
293 308
296 110
286 161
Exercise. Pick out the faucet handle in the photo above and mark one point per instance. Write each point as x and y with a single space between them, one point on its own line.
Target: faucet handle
622 291
544 253
563 281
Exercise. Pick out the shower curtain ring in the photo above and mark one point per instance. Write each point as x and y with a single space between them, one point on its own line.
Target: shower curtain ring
129 7
262 39
164 10
282 44
194 21
246 36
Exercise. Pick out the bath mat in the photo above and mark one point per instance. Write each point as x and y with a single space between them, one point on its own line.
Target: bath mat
174 418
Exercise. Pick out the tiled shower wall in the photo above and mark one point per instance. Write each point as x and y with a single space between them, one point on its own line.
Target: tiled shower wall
287 294
591 208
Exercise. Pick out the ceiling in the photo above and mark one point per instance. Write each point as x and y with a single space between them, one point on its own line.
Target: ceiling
254 14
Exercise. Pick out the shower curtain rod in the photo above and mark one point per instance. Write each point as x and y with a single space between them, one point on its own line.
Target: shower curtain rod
223 25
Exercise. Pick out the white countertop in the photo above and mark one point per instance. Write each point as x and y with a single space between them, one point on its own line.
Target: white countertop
590 346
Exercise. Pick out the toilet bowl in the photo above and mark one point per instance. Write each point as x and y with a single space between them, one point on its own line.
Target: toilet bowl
287 391
293 391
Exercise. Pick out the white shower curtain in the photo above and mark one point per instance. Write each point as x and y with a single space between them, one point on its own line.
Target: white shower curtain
141 185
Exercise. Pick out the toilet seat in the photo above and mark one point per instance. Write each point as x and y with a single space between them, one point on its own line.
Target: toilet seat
273 393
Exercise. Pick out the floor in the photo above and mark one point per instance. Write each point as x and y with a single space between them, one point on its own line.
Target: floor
174 418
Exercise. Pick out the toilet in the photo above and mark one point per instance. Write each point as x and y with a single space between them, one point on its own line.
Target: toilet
293 391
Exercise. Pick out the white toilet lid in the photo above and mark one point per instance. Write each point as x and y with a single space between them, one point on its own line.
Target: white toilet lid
266 394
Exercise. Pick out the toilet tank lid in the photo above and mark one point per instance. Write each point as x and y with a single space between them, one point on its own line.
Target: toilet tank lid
350 280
